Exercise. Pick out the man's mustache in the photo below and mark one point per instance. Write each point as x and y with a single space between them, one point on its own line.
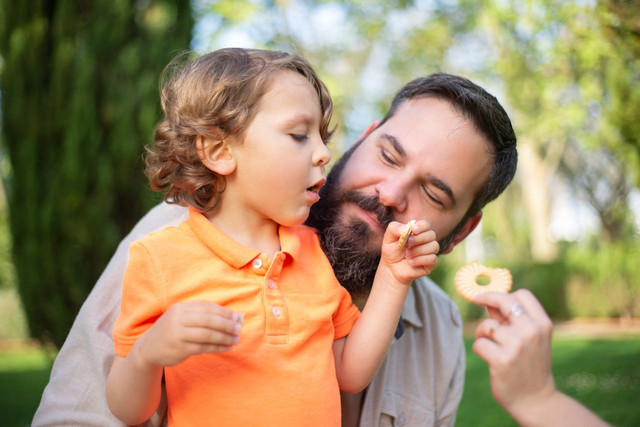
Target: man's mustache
370 204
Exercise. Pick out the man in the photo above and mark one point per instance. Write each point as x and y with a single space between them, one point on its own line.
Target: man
444 150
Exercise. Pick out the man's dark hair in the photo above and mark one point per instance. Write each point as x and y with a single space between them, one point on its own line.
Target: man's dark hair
486 114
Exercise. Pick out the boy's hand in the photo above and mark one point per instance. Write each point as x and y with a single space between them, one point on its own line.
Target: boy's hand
188 328
418 256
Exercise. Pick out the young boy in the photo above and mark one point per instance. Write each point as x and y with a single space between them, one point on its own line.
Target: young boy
243 145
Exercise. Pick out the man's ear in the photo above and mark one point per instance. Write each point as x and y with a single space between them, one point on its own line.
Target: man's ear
216 155
369 129
468 227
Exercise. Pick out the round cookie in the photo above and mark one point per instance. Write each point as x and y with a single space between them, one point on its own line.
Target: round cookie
402 241
466 280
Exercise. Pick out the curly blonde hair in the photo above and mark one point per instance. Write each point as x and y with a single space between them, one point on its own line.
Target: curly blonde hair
214 95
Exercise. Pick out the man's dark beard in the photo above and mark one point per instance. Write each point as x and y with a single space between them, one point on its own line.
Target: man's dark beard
348 246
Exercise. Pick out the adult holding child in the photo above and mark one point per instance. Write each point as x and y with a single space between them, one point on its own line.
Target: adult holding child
243 146
445 149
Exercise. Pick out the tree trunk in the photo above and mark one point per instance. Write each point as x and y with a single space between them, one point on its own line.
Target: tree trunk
535 193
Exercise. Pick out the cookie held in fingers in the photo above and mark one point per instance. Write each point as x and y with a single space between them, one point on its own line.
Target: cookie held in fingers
467 285
404 237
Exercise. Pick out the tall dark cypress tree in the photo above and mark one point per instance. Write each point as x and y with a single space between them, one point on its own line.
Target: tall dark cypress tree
79 88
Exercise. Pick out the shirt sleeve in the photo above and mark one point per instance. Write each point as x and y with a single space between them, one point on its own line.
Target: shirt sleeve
142 299
346 314
75 394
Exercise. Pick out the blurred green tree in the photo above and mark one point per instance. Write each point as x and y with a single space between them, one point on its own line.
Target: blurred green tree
79 85
566 72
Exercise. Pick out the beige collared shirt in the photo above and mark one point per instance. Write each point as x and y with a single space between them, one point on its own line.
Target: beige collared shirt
419 384
421 380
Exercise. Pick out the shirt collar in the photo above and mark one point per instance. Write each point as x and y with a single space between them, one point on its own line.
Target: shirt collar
232 252
410 310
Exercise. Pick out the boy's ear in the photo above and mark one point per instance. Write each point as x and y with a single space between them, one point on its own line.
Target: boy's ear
468 227
215 155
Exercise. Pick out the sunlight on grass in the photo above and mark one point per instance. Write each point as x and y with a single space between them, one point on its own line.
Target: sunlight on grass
603 374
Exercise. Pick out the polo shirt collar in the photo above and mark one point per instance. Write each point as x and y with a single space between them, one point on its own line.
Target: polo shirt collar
232 252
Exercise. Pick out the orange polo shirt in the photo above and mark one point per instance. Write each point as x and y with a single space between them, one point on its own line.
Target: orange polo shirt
282 372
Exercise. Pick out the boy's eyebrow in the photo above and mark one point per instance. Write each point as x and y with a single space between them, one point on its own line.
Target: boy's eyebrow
299 118
436 182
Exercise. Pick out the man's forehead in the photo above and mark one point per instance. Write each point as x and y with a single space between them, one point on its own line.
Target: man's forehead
441 142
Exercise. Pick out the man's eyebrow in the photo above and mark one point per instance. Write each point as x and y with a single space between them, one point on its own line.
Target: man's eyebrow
436 182
440 184
396 144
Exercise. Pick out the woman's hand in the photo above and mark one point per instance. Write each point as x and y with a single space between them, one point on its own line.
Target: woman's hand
516 344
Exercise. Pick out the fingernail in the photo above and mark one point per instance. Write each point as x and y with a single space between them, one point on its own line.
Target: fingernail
237 328
239 317
236 340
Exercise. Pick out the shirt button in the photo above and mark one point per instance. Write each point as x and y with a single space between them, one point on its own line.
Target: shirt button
271 284
275 310
257 263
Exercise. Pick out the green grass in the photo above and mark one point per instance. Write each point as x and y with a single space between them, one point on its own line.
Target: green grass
23 376
602 374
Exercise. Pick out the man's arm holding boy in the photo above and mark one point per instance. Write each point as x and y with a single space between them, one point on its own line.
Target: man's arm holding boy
75 394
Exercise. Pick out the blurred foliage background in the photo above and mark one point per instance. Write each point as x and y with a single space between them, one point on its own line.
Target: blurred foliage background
79 93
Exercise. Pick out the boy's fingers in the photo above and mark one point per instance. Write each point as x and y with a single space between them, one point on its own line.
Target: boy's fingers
421 238
431 247
196 348
209 336
421 226
429 261
211 321
209 307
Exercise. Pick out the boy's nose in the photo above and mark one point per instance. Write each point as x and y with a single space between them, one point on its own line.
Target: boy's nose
321 155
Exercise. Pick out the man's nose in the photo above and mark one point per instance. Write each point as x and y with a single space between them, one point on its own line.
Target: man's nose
393 193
